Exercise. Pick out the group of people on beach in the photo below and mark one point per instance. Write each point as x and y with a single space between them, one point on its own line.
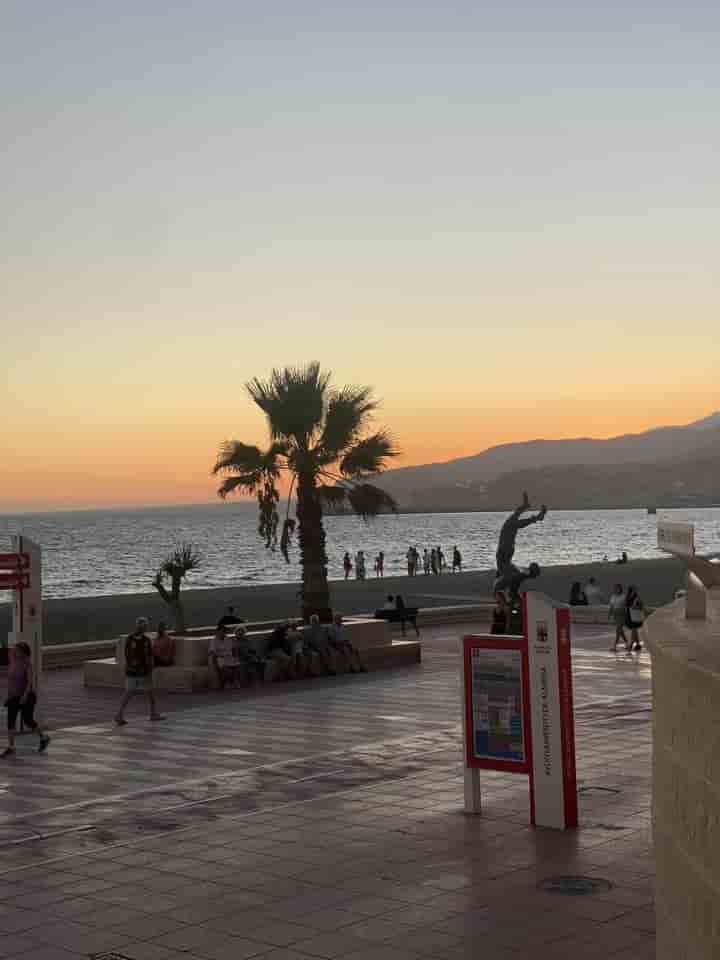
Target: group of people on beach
432 561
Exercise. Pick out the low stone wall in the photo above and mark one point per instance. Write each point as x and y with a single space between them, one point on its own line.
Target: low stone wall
686 790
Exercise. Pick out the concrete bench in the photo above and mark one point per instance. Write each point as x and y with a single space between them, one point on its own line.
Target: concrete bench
191 671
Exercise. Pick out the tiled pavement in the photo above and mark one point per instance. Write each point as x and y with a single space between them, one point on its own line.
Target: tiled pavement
321 820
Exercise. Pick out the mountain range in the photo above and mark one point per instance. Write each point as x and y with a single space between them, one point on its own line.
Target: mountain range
666 466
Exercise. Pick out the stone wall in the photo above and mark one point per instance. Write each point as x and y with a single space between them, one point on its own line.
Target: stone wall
686 789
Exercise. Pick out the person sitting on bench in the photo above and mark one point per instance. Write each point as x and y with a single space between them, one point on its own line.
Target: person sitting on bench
405 614
281 651
222 659
247 655
348 654
163 647
316 646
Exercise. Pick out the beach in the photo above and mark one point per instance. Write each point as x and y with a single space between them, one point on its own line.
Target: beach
100 618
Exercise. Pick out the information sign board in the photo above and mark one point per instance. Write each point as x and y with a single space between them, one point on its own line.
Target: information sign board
497 703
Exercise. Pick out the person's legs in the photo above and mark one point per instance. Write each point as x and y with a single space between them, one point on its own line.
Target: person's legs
154 714
13 708
120 715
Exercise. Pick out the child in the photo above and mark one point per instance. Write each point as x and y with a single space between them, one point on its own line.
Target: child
22 698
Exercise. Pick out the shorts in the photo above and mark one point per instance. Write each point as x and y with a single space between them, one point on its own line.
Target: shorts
26 711
136 684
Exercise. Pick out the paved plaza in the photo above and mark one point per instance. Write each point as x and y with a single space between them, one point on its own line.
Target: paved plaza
322 819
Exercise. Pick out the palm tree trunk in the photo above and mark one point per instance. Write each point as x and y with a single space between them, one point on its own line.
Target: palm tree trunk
311 537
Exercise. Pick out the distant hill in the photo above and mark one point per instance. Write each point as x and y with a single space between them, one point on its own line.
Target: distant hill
666 466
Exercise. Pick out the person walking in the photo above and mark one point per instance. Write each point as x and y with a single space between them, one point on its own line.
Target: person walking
410 557
138 671
426 561
617 613
635 618
360 565
457 560
380 565
347 565
441 562
434 560
22 698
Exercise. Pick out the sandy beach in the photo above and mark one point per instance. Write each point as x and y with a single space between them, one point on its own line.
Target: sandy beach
99 618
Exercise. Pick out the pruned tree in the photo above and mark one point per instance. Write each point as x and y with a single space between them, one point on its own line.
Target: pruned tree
318 436
173 570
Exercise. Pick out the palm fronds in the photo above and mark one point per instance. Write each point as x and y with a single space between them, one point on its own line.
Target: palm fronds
347 413
368 456
368 500
293 400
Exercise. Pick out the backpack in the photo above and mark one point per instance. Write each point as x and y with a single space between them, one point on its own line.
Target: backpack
138 654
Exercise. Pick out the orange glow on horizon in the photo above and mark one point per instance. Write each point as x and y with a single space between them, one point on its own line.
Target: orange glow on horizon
173 465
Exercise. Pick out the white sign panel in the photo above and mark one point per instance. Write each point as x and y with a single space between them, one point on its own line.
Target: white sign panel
550 708
677 538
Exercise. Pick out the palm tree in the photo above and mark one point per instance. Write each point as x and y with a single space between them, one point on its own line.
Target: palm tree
174 568
318 435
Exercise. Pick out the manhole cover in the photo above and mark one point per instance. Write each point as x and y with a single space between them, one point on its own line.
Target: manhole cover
598 790
575 886
108 956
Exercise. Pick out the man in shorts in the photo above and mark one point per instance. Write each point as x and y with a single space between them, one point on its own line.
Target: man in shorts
138 670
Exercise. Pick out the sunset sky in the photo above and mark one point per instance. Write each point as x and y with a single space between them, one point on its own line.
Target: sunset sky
503 216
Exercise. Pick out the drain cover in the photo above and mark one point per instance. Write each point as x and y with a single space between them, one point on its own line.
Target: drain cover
575 886
108 956
598 790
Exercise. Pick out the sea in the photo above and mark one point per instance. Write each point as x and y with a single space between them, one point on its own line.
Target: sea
104 552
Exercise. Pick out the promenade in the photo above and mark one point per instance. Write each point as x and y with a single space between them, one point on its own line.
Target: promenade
322 819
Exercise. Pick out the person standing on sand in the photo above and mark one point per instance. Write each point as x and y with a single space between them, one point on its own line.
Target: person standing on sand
347 565
380 564
138 671
457 560
617 613
21 698
426 561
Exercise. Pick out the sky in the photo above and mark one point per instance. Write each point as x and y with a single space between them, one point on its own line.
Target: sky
501 216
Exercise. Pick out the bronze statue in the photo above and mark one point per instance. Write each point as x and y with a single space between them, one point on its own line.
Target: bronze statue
509 577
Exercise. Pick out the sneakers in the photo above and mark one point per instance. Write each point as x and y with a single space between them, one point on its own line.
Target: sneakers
8 752
156 716
43 745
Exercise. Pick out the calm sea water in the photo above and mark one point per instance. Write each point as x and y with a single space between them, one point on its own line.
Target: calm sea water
98 552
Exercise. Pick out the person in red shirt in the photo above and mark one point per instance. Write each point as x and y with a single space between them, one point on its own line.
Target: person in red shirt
163 647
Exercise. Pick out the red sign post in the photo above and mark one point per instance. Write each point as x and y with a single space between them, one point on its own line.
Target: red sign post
518 712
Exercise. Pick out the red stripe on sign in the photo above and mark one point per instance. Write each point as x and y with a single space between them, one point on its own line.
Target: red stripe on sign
567 718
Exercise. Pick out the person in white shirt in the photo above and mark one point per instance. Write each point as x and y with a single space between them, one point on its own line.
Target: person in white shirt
617 613
222 658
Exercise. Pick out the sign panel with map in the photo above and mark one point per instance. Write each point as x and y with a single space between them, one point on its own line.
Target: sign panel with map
497 703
